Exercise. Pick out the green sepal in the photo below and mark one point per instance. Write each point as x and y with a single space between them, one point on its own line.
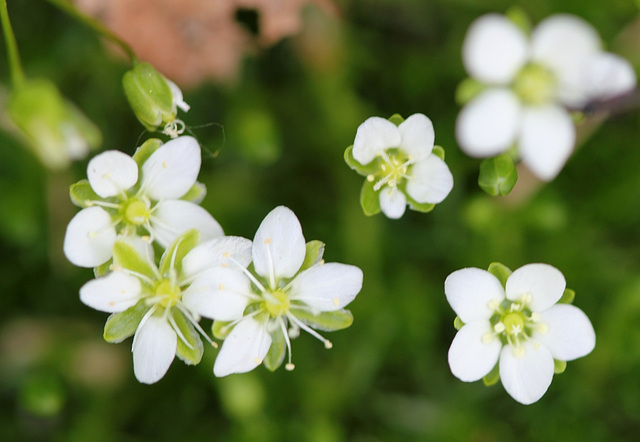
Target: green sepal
363 169
220 329
520 18
438 151
500 271
498 175
418 207
196 194
102 269
457 323
369 199
144 151
325 321
559 366
396 119
468 89
567 297
492 377
172 257
275 355
191 354
128 257
82 194
315 250
121 325
149 96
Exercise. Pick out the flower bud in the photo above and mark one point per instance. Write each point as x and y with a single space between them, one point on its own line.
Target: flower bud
51 126
153 99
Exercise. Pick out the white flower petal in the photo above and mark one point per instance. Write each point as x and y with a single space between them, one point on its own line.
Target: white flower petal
219 293
494 49
111 173
470 359
244 349
608 76
177 96
115 292
89 239
154 348
526 377
171 218
470 291
431 181
372 137
544 283
279 247
327 287
488 125
568 333
546 140
172 170
563 43
392 202
417 136
225 251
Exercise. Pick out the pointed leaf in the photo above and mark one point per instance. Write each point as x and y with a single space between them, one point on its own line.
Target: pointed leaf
325 321
191 354
196 194
315 250
172 257
567 297
492 377
396 119
457 323
127 257
277 351
500 271
498 175
369 199
120 326
438 151
221 329
559 366
144 152
82 194
363 169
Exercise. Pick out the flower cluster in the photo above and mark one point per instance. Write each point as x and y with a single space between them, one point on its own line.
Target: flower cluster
525 86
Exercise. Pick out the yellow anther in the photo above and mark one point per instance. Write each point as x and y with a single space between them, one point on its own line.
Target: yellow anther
336 302
257 360
289 366
499 327
268 241
543 328
328 345
487 338
518 351
221 286
370 178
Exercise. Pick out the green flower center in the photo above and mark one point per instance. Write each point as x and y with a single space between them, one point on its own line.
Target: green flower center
277 303
394 167
136 211
168 294
535 84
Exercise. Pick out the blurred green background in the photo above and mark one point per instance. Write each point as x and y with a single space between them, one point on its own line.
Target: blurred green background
275 134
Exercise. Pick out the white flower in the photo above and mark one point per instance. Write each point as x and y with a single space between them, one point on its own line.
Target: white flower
122 202
520 326
407 165
275 302
530 83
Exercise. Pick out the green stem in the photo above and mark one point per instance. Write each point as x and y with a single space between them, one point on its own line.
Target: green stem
17 74
96 25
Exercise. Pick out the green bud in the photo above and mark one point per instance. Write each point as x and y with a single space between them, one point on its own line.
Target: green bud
498 175
52 127
153 99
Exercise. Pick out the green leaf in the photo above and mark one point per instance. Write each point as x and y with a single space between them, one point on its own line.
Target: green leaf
567 297
196 194
121 325
500 271
275 355
369 199
325 321
221 329
363 169
438 151
467 90
498 175
126 256
82 194
143 152
559 366
172 257
492 377
457 323
191 354
396 119
102 269
419 207
315 250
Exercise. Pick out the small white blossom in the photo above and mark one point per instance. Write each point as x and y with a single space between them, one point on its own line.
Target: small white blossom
270 303
128 204
407 166
530 83
520 326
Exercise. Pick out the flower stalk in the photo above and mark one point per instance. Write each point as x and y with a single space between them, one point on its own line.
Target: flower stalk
13 57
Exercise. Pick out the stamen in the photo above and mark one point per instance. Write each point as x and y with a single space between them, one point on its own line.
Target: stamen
193 321
272 277
91 203
283 327
175 327
248 274
312 332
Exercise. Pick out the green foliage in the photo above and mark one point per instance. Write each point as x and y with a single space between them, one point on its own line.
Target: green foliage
127 257
363 170
498 175
121 325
